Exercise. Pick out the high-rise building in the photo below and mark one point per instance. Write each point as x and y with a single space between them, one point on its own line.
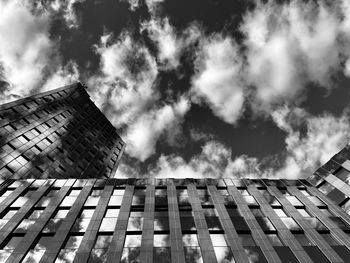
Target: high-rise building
57 134
170 220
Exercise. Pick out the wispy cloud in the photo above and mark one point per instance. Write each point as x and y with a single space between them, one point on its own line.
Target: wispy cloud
217 80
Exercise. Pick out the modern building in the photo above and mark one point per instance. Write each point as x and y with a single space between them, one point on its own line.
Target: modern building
170 220
57 134
333 178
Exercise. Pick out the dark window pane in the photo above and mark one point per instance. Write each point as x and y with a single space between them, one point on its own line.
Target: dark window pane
162 254
213 223
343 252
187 223
286 254
265 224
302 239
274 239
131 255
192 254
255 255
240 224
315 254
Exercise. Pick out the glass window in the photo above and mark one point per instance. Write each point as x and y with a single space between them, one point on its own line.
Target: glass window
316 224
250 200
115 200
66 255
294 201
87 213
108 224
68 201
103 241
326 212
256 212
161 240
240 224
81 225
161 223
190 240
332 193
162 254
92 201
61 213
224 254
24 226
193 255
53 225
135 223
118 192
246 240
280 212
112 212
20 201
187 223
74 241
316 201
290 224
274 239
254 254
303 212
213 223
265 224
302 239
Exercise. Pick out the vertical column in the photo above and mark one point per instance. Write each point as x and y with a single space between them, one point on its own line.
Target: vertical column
64 229
177 249
204 240
89 238
116 247
236 247
146 253
282 230
311 233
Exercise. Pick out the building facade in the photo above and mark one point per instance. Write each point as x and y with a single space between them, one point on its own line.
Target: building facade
333 178
170 220
57 134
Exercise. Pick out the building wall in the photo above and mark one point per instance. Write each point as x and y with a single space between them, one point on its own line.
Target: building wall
333 179
57 134
170 220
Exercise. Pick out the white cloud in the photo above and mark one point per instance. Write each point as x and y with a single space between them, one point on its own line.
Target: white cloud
129 96
25 48
214 161
126 86
170 44
288 46
217 80
63 76
67 9
142 135
326 135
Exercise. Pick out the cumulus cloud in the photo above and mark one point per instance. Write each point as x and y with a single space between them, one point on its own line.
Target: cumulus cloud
64 75
125 87
143 134
67 9
217 80
214 161
170 44
25 48
325 136
126 90
288 46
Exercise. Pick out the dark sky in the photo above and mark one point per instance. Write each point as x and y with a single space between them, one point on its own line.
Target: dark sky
198 87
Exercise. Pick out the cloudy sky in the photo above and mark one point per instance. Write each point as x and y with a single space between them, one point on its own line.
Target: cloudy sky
197 88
